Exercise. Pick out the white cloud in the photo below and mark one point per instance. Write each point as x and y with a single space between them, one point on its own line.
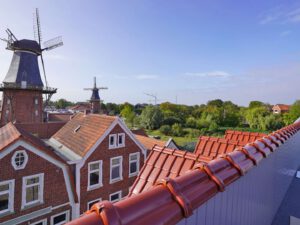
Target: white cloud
146 77
281 15
217 73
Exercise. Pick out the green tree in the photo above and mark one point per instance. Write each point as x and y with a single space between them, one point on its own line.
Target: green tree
165 129
255 117
151 117
272 122
255 104
293 114
191 122
129 115
217 103
177 130
62 103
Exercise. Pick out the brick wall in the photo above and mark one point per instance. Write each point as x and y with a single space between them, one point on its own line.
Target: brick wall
54 184
22 107
103 153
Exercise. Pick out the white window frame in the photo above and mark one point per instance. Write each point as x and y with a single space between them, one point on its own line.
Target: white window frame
43 221
123 140
67 218
40 199
93 201
114 145
100 184
16 167
137 161
120 196
10 192
120 170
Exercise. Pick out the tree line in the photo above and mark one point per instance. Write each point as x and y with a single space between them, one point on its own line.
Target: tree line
213 117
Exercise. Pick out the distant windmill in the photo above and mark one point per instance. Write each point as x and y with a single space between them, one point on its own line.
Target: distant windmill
95 99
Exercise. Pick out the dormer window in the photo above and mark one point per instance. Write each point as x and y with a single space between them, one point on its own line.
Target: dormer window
77 128
19 160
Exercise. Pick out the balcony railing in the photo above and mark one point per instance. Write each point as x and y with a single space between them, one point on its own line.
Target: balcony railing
45 90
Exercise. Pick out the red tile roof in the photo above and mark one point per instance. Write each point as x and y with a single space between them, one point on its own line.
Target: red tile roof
243 135
212 146
174 199
282 107
162 163
83 131
8 135
149 142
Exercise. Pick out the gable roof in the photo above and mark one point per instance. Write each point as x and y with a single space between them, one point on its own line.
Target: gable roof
149 142
282 107
162 163
244 136
11 133
212 146
83 131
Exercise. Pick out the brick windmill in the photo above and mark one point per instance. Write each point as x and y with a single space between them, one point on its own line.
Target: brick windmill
95 98
23 88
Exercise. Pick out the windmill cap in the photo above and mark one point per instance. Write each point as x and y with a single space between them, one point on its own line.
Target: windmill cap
26 45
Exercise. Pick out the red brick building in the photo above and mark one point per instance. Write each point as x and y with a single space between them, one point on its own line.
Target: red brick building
104 155
36 185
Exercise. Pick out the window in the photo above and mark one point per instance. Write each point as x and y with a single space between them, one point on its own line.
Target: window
36 101
134 164
95 175
19 160
36 112
91 203
116 169
112 141
32 190
41 222
114 197
7 196
116 140
60 218
121 140
8 101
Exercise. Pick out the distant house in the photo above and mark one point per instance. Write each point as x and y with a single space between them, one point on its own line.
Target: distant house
280 108
80 107
36 185
149 142
104 155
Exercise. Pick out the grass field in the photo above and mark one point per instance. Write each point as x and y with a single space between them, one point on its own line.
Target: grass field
189 140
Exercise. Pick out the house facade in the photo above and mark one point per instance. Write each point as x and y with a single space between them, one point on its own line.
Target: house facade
104 155
280 108
36 185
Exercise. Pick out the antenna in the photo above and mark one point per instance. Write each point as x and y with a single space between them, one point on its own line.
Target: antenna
153 96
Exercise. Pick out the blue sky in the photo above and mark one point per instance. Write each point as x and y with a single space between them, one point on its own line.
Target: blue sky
195 50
